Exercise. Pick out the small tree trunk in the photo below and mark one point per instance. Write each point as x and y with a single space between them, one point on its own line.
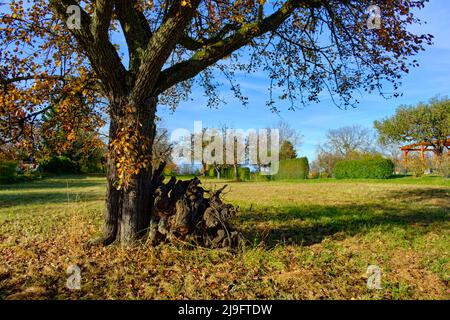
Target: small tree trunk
204 167
439 150
128 211
235 171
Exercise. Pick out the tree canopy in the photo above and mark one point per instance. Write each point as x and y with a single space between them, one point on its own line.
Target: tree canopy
347 140
428 123
306 47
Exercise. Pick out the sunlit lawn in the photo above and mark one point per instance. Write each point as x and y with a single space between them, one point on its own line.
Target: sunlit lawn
305 240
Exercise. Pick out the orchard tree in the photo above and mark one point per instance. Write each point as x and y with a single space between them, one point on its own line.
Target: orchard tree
421 123
347 140
304 46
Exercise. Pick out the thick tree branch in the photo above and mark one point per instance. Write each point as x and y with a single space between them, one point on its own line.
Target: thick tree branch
209 55
161 46
136 30
196 44
95 44
102 19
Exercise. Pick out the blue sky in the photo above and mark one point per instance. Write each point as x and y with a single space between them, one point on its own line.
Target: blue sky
432 78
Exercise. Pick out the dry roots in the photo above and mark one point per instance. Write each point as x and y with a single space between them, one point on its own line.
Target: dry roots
184 211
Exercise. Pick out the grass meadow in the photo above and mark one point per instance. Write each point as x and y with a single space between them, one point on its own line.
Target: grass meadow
304 240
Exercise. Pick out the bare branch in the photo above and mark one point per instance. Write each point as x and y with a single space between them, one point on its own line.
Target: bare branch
206 57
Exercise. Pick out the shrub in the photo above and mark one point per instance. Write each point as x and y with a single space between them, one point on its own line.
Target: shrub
170 169
416 166
29 175
8 171
257 176
60 165
314 175
297 169
243 174
227 173
92 166
324 175
442 165
364 169
211 172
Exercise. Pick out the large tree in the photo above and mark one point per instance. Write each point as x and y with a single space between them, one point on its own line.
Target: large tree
304 46
347 140
415 124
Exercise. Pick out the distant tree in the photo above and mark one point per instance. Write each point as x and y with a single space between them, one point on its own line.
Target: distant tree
238 145
326 161
205 143
288 133
421 123
347 140
287 151
162 148
350 142
392 151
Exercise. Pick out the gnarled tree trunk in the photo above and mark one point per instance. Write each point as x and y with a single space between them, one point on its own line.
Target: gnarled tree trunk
176 210
128 210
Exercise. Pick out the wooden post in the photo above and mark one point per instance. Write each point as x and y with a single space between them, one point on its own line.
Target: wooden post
422 152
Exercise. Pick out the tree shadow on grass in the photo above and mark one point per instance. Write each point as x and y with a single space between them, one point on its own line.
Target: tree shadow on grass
50 197
51 190
311 224
56 182
419 194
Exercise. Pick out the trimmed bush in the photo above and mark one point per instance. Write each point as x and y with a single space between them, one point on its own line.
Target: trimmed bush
8 171
227 173
364 169
60 165
295 169
243 174
257 176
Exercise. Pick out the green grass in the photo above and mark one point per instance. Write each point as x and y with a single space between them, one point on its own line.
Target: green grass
305 240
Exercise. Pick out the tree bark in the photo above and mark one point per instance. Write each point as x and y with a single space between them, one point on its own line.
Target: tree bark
204 167
129 210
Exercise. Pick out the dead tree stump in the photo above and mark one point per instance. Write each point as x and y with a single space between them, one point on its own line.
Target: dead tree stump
184 211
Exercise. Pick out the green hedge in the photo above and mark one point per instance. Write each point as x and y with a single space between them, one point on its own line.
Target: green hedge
243 174
293 169
8 171
227 173
60 165
364 169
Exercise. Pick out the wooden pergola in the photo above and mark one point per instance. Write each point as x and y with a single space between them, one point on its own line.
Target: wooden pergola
421 147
